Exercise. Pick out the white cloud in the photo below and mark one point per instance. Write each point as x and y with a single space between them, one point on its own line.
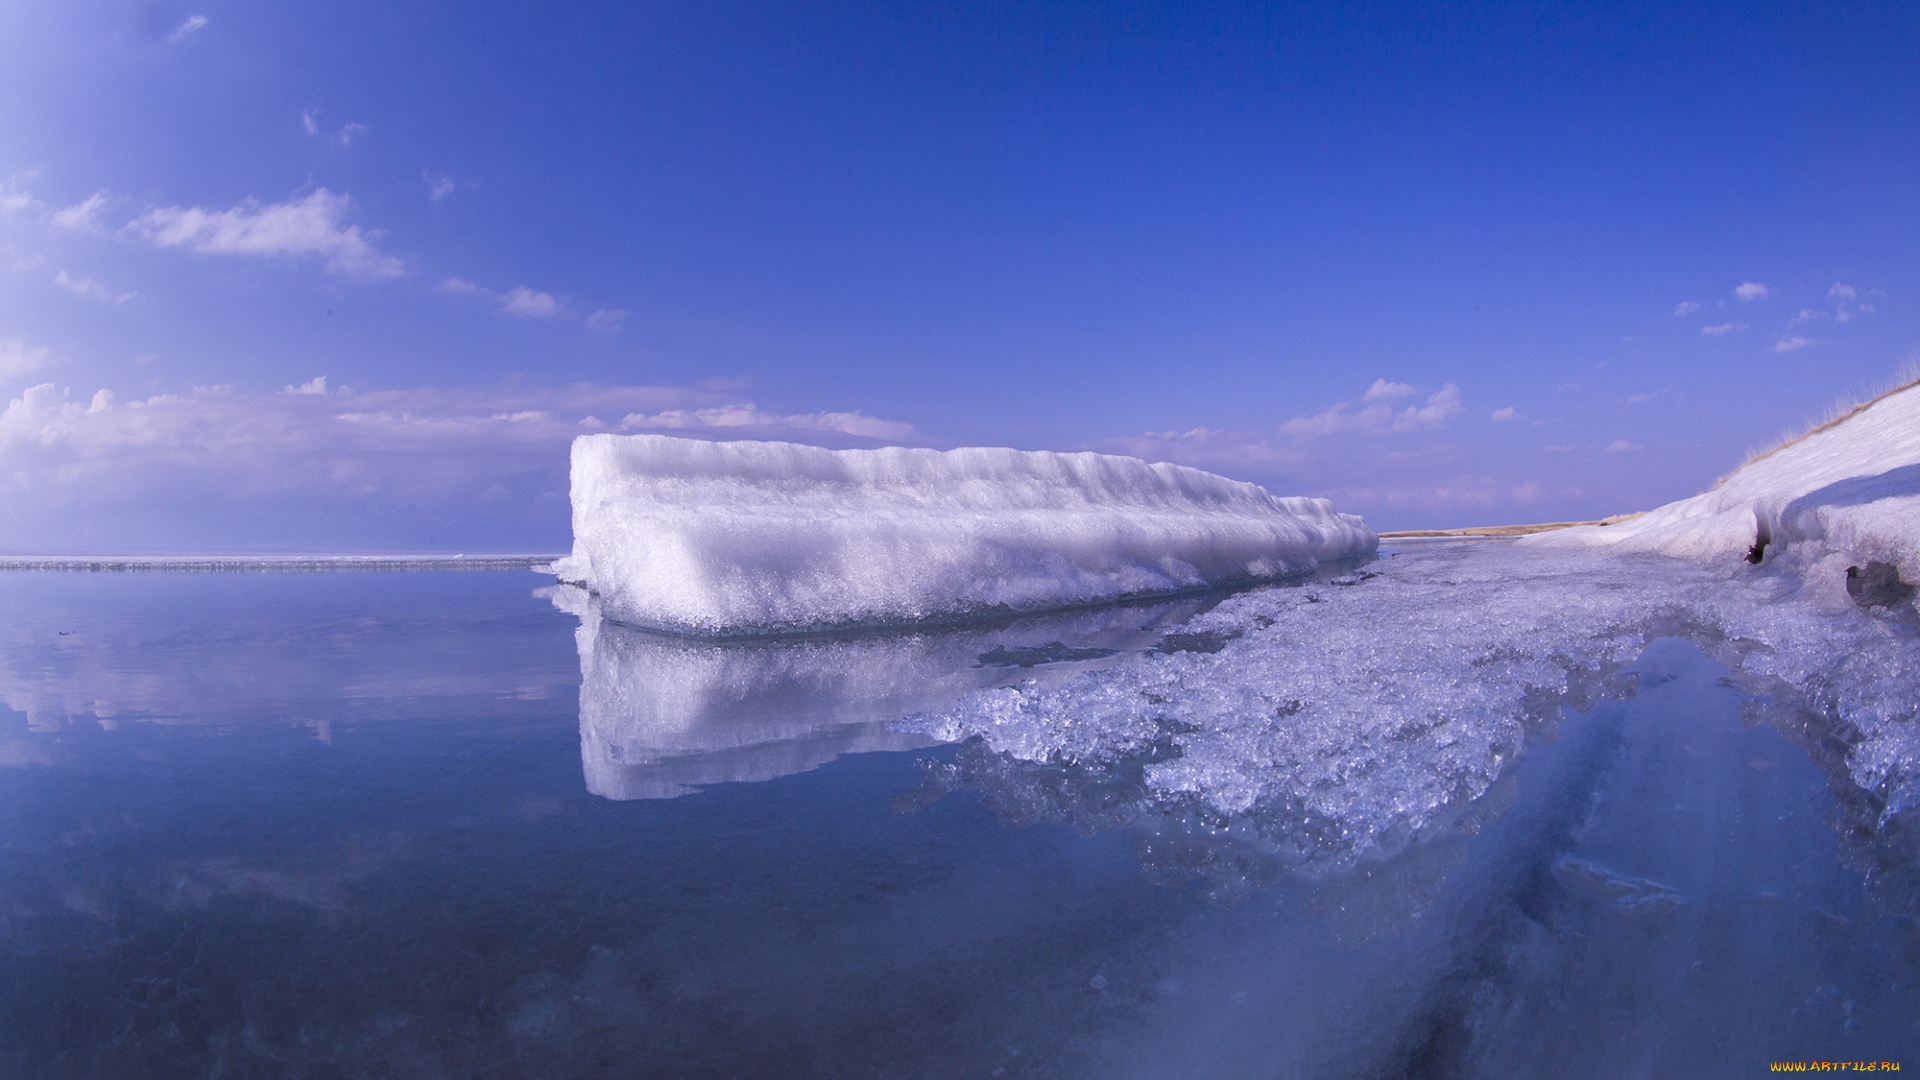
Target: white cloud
1791 344
1377 419
180 33
1447 493
1635 399
439 185
1503 415
348 132
80 216
1849 302
1339 419
524 303
13 197
606 322
90 289
1287 447
1382 390
1622 446
1440 470
1750 290
521 302
747 414
1208 448
1723 328
1808 315
223 466
1687 307
17 358
311 122
1439 406
312 226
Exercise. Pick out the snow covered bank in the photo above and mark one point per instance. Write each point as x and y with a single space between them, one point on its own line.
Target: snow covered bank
1852 487
744 538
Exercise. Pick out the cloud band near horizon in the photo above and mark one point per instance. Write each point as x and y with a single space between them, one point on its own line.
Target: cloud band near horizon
308 468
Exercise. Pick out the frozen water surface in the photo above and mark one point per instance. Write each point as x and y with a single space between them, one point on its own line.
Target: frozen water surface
1460 811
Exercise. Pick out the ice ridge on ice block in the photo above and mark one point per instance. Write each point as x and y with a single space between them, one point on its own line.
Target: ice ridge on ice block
743 538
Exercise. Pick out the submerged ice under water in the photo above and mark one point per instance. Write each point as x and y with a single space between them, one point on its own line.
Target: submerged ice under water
1466 810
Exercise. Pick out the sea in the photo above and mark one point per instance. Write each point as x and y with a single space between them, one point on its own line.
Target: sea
406 823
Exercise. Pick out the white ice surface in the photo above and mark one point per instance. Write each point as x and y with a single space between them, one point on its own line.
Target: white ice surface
1343 721
1854 487
742 538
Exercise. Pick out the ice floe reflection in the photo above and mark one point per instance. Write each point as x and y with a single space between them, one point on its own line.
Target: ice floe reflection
663 716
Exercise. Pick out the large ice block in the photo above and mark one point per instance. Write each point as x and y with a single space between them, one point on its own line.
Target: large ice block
743 538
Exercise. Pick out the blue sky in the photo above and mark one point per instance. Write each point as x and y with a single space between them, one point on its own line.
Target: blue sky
1447 265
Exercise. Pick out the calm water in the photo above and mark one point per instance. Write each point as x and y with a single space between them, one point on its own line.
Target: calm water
430 824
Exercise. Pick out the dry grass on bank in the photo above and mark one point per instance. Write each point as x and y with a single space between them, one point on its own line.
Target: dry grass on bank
1838 413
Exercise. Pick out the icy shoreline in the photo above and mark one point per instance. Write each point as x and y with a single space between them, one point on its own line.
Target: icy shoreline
1334 724
1330 725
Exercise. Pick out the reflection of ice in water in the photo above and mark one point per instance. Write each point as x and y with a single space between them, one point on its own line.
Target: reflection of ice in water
662 716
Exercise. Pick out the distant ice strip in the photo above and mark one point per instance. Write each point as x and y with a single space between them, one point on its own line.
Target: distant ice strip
271 563
740 539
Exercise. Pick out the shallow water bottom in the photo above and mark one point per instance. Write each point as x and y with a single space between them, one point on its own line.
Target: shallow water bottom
267 827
